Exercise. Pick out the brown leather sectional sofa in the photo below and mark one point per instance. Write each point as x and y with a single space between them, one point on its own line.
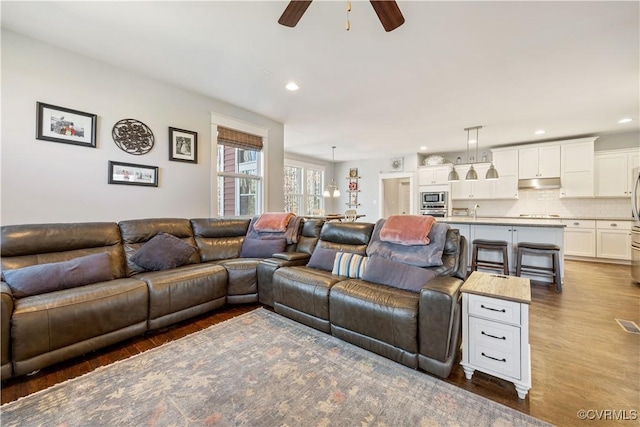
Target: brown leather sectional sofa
43 329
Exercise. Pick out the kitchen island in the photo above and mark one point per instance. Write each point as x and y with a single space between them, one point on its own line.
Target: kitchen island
513 231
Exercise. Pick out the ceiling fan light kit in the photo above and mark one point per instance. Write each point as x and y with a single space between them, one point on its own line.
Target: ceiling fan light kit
388 13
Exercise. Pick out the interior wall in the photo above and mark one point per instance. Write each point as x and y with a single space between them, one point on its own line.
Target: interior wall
45 181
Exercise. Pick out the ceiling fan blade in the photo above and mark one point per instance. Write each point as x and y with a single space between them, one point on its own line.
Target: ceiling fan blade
389 14
294 11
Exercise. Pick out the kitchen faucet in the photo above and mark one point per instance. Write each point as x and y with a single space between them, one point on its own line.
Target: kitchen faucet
475 211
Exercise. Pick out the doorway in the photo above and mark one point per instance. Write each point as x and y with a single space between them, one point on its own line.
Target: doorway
396 194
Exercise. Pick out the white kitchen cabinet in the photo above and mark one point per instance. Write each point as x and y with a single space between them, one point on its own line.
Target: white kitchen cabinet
580 237
577 169
434 175
513 235
540 161
480 189
613 239
613 172
506 163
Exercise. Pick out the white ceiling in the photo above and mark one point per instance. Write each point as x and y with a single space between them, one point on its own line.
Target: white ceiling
571 68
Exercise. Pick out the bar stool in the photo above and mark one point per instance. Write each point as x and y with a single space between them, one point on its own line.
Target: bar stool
490 245
540 249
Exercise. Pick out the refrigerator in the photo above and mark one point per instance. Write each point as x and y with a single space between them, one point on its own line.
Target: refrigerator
635 229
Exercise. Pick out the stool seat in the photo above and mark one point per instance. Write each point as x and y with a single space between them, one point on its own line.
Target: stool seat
540 246
484 242
490 245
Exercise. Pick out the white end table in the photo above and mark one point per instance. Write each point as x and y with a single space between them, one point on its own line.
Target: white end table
495 328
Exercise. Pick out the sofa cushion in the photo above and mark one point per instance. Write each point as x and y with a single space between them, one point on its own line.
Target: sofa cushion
396 274
407 230
162 252
261 248
44 278
349 265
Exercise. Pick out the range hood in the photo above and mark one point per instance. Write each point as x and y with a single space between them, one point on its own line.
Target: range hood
538 183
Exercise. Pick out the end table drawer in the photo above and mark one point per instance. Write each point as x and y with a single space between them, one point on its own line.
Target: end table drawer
499 361
495 309
495 335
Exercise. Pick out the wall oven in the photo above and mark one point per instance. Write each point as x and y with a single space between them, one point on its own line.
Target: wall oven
434 203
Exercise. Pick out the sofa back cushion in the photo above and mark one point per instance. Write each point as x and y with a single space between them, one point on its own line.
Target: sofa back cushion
351 237
219 238
310 235
135 233
33 244
56 276
396 274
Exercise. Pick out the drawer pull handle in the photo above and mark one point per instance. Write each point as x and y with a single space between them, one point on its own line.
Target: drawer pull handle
493 309
613 224
576 223
493 336
499 360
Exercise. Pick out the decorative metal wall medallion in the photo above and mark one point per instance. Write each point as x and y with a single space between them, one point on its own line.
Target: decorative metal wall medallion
132 136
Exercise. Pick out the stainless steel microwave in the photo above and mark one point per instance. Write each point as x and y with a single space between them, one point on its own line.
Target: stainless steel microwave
433 199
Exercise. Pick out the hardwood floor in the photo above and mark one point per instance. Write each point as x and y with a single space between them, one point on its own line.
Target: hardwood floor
581 358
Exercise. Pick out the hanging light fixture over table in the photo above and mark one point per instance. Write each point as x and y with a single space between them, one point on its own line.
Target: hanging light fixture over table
332 189
472 174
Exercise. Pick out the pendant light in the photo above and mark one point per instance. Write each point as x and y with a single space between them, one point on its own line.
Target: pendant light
332 186
472 175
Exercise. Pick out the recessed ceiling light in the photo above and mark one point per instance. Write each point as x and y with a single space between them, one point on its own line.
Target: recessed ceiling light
292 86
424 147
540 132
625 120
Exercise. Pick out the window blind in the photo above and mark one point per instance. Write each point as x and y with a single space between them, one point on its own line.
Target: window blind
237 139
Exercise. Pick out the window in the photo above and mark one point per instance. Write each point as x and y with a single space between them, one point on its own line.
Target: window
302 187
239 173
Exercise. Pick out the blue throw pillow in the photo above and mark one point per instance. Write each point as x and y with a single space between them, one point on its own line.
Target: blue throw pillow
349 264
55 276
396 274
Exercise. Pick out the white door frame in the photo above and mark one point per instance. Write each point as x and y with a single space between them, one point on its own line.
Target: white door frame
397 175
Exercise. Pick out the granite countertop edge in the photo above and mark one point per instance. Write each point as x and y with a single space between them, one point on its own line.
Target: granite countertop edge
533 222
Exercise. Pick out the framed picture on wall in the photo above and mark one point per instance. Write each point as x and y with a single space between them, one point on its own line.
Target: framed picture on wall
132 174
60 124
183 145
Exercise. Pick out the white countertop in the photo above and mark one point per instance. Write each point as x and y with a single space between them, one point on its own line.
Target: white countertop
531 222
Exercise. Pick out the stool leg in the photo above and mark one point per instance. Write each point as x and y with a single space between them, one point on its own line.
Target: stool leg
519 263
556 271
505 261
474 259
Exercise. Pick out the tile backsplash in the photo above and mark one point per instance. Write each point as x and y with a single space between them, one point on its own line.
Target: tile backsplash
549 202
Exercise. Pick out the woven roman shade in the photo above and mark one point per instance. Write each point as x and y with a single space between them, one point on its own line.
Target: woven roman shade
237 139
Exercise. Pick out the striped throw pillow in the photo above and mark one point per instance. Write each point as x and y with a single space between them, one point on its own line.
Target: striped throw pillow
350 265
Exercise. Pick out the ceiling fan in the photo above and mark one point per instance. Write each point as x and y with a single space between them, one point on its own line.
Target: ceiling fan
387 10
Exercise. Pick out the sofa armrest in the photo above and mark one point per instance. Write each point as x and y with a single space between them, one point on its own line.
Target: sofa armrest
267 267
6 311
292 256
439 300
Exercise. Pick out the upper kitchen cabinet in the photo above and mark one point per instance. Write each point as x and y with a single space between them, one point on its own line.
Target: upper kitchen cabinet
479 189
506 163
613 170
577 176
434 175
541 161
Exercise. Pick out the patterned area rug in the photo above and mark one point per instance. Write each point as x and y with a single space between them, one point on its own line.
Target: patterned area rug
258 369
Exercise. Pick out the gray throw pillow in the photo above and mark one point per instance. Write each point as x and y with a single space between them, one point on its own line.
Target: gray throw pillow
259 248
322 258
44 278
396 274
163 252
